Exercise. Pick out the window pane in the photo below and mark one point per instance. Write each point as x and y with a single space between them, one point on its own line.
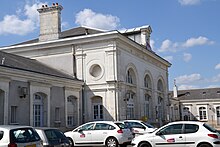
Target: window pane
191 128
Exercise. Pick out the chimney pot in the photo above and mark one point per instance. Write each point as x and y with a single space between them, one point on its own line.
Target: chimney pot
42 6
57 4
53 4
45 5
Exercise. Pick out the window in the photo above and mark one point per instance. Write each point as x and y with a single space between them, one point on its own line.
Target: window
103 126
202 113
97 112
24 135
13 114
147 82
129 78
147 105
172 129
57 114
86 127
191 128
38 111
70 120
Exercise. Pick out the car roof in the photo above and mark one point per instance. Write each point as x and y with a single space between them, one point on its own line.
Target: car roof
13 126
187 122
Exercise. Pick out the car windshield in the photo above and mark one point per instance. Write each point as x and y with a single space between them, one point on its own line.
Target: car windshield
55 136
148 125
211 129
24 135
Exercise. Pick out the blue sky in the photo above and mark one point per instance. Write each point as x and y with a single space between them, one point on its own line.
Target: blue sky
185 32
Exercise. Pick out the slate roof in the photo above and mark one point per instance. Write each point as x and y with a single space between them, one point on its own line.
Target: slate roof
78 31
31 65
199 94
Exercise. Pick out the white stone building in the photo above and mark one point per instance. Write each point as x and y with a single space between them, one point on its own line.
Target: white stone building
122 77
196 104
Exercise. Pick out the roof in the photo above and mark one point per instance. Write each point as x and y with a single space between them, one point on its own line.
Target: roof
31 65
197 94
74 32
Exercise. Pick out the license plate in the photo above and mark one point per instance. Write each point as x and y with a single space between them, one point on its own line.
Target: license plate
33 145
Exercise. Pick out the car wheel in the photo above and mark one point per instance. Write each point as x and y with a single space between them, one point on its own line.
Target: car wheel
111 142
205 145
144 144
70 139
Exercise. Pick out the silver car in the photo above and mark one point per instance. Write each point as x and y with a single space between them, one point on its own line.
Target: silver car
19 136
53 137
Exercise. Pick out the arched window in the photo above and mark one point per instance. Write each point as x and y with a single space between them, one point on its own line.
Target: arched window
72 113
130 76
160 86
39 110
202 113
147 82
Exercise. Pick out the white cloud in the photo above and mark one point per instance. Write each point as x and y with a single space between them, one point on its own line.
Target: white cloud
168 58
216 78
187 57
87 17
185 79
189 2
185 87
197 41
217 66
152 42
169 46
13 24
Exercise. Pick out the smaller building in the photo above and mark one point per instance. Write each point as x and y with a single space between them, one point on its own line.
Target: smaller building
196 104
32 93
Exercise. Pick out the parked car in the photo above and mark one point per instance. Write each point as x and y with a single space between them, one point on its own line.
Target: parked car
100 133
139 127
53 137
19 136
180 134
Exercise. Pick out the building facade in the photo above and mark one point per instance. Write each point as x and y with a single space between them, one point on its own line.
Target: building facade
122 77
196 104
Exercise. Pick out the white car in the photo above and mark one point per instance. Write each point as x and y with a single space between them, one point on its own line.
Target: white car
139 127
19 136
180 134
100 133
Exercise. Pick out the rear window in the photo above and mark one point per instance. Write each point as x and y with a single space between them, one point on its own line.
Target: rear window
24 135
55 136
211 129
122 126
1 134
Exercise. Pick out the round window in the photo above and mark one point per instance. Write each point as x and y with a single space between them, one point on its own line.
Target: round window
95 70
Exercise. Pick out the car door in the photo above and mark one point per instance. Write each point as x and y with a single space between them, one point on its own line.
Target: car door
101 132
83 135
170 136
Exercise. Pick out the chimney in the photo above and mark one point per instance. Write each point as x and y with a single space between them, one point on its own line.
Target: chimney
175 90
50 22
145 36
